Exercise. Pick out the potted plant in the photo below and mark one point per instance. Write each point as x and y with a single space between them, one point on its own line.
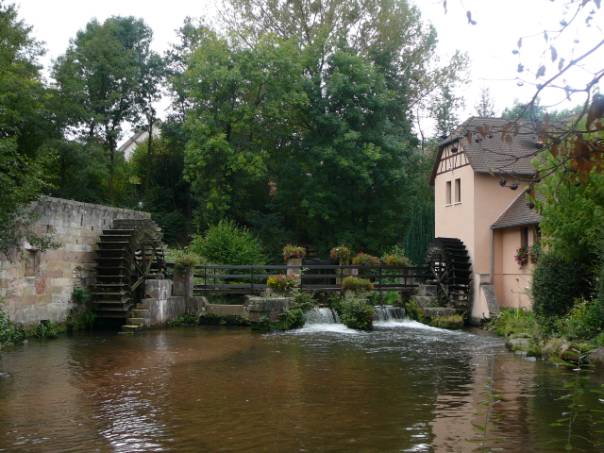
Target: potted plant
281 284
293 254
341 254
535 252
522 256
364 259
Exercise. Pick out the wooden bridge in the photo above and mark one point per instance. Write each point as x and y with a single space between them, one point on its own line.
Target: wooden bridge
251 279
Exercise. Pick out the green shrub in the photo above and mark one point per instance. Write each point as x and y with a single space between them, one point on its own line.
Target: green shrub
598 341
293 251
341 254
364 259
355 313
557 282
82 315
356 284
304 301
226 243
292 319
584 321
514 321
385 298
448 322
10 333
413 310
281 284
46 330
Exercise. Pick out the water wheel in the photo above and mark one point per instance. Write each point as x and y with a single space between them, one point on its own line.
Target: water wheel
450 266
128 254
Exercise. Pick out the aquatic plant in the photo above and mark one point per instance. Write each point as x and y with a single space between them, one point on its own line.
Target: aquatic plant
447 322
355 312
514 321
10 333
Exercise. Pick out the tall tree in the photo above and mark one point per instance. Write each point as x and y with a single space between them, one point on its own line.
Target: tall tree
108 77
24 125
485 107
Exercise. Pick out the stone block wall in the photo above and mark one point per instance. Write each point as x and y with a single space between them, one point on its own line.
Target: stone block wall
37 285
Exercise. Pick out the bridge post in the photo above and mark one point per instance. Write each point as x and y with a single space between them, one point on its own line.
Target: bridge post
183 284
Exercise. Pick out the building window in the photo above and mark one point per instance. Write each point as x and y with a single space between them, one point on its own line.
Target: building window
458 190
524 237
448 199
32 262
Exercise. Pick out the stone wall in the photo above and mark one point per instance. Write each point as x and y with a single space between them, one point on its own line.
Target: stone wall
37 285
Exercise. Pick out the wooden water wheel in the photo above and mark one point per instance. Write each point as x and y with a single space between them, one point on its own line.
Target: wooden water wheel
128 254
450 266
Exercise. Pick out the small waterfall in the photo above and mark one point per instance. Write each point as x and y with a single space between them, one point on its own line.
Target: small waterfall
386 313
321 315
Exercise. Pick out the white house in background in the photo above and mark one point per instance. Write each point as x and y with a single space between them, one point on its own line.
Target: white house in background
139 137
492 221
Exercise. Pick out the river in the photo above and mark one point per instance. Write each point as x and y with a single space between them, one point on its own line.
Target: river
402 387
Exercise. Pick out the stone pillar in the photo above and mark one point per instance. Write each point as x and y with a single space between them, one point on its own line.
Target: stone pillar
294 269
183 284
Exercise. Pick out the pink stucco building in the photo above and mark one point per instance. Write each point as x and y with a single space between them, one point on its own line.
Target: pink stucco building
480 177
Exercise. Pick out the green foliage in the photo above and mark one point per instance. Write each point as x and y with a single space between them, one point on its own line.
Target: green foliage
186 320
356 284
10 333
46 330
396 256
292 319
108 76
557 282
82 315
340 254
293 251
281 284
448 322
356 313
364 259
304 301
226 243
514 321
25 126
584 321
414 311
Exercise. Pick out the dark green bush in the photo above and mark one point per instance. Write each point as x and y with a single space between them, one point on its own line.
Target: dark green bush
304 301
10 333
355 313
557 282
47 330
292 319
226 243
82 315
584 321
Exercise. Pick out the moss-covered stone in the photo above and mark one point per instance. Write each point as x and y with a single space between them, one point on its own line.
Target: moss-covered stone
448 322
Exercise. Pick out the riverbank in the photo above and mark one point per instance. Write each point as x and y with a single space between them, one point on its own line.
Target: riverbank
524 335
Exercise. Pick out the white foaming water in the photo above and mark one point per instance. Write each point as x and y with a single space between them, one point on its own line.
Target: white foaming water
327 328
321 315
410 324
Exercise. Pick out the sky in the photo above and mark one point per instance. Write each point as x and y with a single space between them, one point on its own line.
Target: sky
489 43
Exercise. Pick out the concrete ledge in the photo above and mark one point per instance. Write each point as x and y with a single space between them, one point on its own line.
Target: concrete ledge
226 310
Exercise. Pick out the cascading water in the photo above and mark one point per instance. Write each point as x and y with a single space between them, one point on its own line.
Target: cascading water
321 315
384 313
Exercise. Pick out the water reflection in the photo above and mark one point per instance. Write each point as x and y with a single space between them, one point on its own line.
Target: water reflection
400 388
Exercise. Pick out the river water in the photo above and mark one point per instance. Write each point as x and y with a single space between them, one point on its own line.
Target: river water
403 387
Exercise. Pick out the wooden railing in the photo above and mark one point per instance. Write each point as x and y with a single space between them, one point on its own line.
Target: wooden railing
244 279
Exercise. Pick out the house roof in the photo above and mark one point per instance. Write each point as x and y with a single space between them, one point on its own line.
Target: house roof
519 213
487 151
